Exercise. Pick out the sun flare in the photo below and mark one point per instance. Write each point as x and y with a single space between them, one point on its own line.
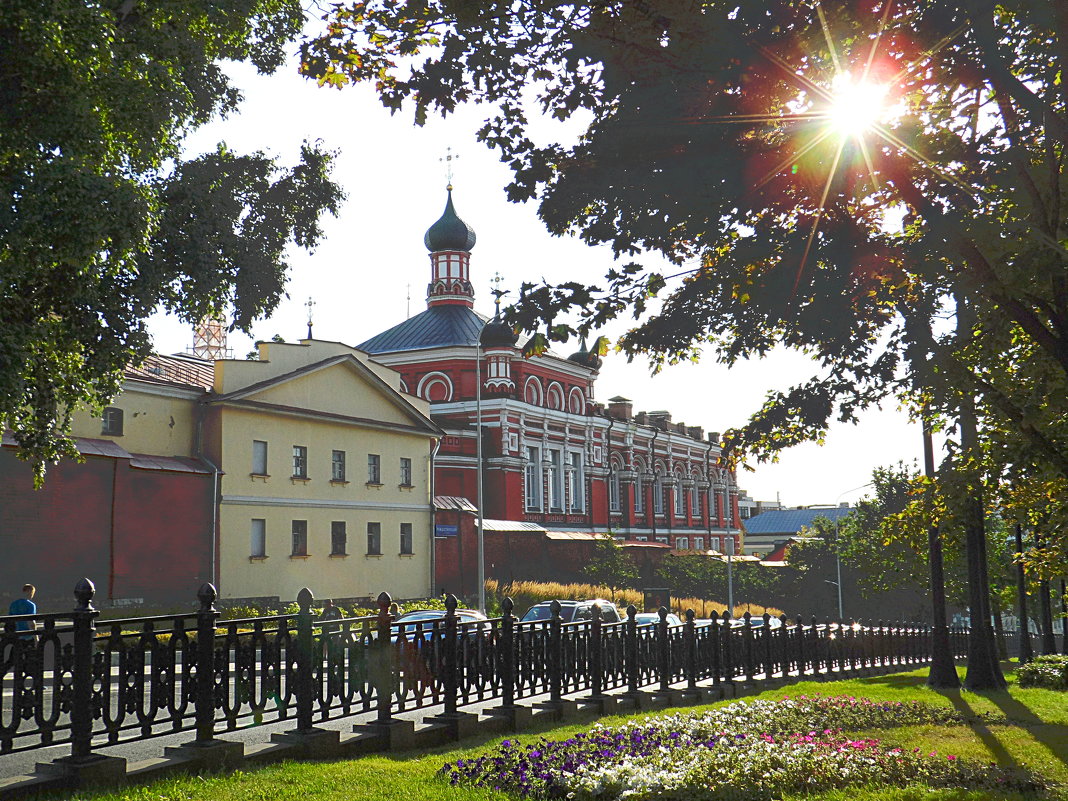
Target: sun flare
856 106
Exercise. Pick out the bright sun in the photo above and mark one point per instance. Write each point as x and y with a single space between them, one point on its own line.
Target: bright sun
856 105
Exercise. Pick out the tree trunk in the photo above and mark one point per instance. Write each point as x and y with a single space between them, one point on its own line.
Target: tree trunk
1064 618
999 634
1026 654
1049 644
943 673
984 671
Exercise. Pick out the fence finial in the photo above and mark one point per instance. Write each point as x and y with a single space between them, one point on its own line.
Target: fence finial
84 591
207 594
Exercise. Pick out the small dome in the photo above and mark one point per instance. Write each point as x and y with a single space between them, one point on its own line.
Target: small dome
586 357
497 334
449 232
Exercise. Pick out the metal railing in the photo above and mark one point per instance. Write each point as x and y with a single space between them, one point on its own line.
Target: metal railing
76 680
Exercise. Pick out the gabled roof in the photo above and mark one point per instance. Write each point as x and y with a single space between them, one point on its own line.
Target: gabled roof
791 521
420 420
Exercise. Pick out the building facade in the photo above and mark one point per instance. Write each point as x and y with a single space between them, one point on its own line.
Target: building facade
552 454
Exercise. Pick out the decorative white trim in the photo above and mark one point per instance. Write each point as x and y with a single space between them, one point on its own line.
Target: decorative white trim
573 401
432 378
533 380
559 392
315 503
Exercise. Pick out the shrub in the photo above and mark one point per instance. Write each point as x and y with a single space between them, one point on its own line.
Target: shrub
1049 671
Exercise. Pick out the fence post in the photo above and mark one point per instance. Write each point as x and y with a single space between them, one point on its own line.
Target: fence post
728 647
714 635
784 639
508 652
305 672
747 644
632 651
556 655
767 647
690 632
81 711
595 662
207 616
817 656
663 646
800 637
450 666
383 663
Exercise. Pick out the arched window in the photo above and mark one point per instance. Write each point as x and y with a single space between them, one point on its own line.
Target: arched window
576 403
613 486
658 493
554 398
532 391
680 496
435 387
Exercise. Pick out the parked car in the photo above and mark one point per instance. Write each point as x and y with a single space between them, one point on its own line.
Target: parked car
572 611
652 618
410 624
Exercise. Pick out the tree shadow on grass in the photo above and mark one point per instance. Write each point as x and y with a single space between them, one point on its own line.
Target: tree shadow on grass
1054 736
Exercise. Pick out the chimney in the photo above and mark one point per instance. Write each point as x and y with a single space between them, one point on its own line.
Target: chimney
641 418
696 432
620 408
660 419
713 437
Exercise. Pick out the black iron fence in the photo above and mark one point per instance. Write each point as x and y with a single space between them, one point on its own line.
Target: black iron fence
76 680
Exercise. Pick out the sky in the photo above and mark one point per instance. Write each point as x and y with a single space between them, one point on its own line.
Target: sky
371 269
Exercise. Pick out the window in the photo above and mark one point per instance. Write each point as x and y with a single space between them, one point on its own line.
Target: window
641 539
575 482
258 545
405 472
715 544
374 468
662 539
682 543
406 538
300 538
613 491
338 538
658 495
639 496
556 481
374 539
695 502
698 543
112 422
300 461
259 457
680 498
533 470
337 465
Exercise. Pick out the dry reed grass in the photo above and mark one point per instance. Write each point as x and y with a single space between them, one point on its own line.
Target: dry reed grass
526 594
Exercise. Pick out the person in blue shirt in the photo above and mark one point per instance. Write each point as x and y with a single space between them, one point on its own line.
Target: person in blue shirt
25 606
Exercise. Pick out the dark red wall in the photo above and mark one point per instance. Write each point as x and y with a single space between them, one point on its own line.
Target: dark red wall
156 547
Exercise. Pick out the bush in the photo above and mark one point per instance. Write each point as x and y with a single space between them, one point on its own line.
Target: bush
1050 672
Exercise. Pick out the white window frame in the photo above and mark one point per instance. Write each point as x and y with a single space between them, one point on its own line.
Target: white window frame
658 494
556 481
613 490
300 461
533 479
337 465
405 471
682 543
699 543
576 480
259 457
258 538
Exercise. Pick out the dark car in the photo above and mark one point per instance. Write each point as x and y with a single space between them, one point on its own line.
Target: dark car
572 611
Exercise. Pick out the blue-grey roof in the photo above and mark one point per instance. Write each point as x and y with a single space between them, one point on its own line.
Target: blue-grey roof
790 521
437 327
449 232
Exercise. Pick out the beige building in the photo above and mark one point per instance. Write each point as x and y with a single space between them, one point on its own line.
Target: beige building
322 466
326 475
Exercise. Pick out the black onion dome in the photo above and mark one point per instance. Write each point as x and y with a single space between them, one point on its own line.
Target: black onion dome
449 232
497 334
586 357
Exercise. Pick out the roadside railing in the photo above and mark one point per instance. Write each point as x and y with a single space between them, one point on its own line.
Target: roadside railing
74 680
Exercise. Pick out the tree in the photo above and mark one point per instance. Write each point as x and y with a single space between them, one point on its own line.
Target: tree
104 221
725 136
610 567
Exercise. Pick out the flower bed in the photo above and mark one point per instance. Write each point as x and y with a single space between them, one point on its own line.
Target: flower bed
755 750
1049 671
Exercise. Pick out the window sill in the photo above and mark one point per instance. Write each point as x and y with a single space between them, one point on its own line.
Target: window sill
299 479
300 556
373 485
372 556
339 482
339 556
257 558
261 476
406 555
408 487
110 434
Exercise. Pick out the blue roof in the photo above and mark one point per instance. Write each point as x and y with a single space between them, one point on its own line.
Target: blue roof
790 521
437 327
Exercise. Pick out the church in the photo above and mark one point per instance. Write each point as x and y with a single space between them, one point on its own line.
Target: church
555 459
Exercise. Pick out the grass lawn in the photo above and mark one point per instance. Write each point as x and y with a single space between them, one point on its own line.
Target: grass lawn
1035 736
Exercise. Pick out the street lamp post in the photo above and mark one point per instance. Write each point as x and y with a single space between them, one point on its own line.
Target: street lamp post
478 474
837 552
728 546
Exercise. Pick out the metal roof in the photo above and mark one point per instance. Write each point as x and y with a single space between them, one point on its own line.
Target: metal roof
512 525
453 502
437 327
178 369
791 521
